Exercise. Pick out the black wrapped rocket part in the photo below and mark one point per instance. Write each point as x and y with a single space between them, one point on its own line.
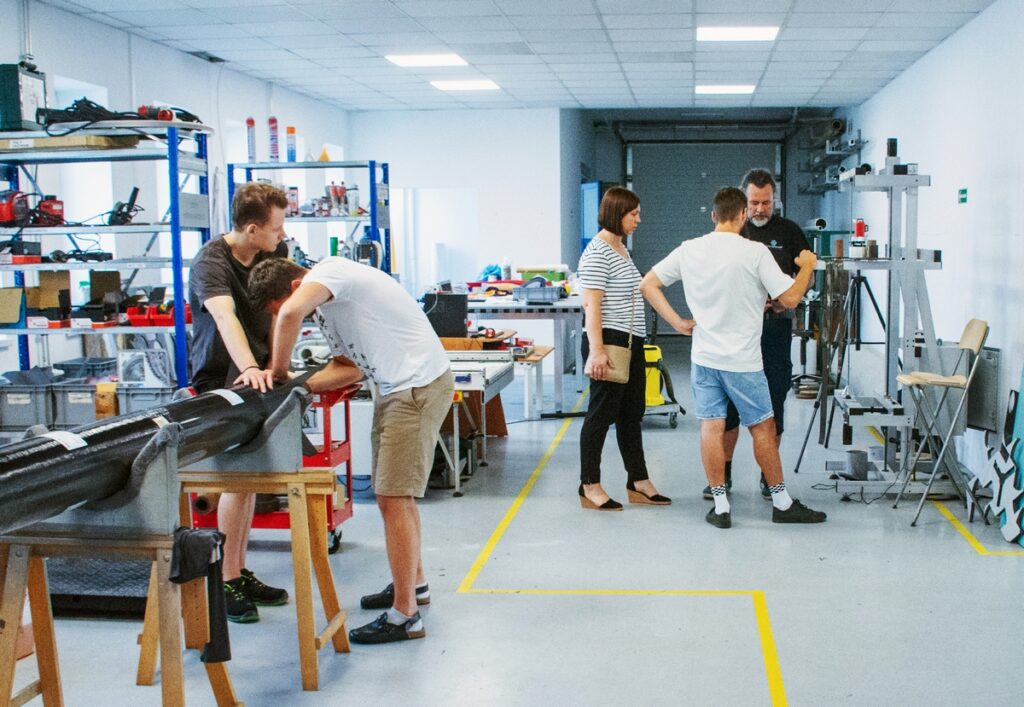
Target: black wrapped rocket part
44 476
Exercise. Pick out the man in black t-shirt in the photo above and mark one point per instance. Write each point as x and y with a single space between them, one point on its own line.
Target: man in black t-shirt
229 346
784 239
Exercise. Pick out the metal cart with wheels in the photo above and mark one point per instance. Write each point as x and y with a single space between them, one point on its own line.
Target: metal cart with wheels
331 453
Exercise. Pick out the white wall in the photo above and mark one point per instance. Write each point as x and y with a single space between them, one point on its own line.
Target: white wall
136 71
956 113
505 161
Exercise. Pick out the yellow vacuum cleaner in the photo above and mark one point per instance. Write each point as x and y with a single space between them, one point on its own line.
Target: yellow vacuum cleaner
660 397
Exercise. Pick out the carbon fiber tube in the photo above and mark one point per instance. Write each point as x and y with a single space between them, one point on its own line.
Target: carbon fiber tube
43 476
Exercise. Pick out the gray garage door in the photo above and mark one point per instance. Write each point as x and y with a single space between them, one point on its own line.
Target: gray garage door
676 183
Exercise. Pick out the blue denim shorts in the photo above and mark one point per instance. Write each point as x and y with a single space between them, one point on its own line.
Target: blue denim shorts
714 388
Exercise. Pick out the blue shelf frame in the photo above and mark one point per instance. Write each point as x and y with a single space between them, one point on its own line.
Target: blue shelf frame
377 233
173 135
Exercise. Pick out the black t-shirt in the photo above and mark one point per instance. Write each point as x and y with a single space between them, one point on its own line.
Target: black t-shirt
784 239
214 273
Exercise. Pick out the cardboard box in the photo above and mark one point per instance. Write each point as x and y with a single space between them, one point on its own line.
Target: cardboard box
12 307
69 142
51 299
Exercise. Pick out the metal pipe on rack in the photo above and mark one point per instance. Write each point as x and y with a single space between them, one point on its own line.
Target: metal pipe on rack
44 476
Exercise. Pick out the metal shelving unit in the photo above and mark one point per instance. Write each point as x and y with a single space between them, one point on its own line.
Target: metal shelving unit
824 163
160 140
378 205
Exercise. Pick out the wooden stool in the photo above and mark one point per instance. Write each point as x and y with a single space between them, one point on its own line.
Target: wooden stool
22 569
307 491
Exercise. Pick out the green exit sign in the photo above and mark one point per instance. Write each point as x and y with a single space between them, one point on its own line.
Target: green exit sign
961 196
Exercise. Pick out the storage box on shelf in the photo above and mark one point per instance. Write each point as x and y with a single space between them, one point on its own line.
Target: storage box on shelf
114 142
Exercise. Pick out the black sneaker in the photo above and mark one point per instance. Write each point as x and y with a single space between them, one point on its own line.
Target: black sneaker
380 631
240 608
707 490
260 593
385 598
766 493
719 520
797 513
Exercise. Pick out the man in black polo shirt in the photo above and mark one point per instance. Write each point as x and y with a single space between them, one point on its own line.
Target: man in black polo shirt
785 239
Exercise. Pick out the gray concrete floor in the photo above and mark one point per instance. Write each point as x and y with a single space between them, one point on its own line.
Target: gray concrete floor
536 601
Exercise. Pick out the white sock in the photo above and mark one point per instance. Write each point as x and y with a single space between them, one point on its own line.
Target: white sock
422 591
780 497
720 499
396 617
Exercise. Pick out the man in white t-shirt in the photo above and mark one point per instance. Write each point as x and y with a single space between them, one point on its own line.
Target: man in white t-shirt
375 331
728 279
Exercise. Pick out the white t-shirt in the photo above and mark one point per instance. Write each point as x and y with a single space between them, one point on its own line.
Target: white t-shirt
375 323
728 279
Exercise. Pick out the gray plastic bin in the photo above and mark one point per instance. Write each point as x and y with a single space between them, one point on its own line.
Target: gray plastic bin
133 398
89 367
25 405
74 403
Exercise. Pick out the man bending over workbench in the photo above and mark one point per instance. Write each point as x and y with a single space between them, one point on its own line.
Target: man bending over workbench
375 331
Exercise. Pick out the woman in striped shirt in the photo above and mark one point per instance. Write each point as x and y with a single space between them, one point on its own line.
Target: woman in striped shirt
612 308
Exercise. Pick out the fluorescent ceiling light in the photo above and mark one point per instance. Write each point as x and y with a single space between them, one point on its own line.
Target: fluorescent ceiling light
412 60
470 85
736 34
724 88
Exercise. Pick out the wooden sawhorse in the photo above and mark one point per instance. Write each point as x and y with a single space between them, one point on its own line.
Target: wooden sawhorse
22 569
308 491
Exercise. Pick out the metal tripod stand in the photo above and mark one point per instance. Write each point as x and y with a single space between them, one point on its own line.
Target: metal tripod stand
838 331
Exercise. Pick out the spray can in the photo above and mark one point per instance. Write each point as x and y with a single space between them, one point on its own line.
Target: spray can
250 138
275 153
293 201
352 195
289 135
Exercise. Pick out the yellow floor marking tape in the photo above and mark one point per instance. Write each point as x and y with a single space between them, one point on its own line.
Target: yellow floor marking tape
969 536
764 628
492 542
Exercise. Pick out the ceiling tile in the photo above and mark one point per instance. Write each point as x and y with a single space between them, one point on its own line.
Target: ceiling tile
925 19
650 47
837 6
828 34
838 19
350 10
565 35
479 37
127 5
448 8
545 7
930 34
940 5
465 24
664 21
662 7
162 18
535 22
917 47
287 29
651 35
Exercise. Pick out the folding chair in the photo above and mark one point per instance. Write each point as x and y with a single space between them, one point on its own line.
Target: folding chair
918 383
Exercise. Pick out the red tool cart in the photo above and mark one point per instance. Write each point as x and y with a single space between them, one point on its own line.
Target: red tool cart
332 453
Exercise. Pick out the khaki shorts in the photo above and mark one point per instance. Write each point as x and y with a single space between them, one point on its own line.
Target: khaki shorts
404 435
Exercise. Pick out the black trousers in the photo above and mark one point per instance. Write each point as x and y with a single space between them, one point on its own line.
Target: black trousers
616 404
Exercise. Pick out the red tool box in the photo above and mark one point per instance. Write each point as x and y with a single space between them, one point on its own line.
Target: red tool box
332 454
